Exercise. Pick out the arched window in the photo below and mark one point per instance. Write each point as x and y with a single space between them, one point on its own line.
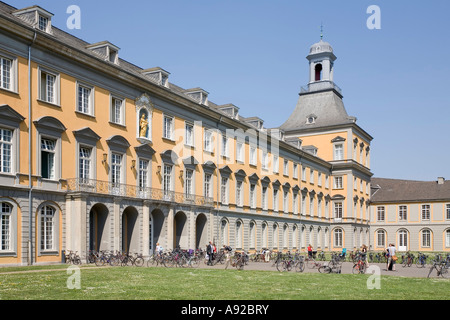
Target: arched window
338 238
239 234
47 225
252 238
264 236
224 232
318 70
381 238
426 238
447 238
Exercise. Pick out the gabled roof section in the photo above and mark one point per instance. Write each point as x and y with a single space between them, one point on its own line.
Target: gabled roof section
396 190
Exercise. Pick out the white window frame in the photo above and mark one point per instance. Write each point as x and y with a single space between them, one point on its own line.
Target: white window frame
447 211
208 141
168 127
338 209
276 164
253 156
239 193
47 222
51 167
338 151
425 212
286 167
402 212
83 102
12 73
207 185
85 167
43 95
7 155
224 149
224 190
6 226
240 151
252 193
189 134
144 173
338 182
381 213
264 197
189 182
117 103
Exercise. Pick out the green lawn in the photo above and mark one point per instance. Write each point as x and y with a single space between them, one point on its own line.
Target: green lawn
130 283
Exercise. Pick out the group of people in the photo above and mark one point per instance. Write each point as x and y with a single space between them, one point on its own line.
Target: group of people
391 257
211 251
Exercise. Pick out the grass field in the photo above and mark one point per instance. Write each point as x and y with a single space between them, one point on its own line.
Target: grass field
130 283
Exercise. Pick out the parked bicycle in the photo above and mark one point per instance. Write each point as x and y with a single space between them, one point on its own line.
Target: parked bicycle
441 267
421 260
334 265
360 266
72 257
407 260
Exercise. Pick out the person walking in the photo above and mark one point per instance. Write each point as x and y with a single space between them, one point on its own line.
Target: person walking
210 252
392 257
310 251
364 254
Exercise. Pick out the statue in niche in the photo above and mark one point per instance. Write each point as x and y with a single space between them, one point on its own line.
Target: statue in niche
143 125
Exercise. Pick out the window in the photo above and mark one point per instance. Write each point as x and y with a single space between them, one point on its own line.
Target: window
275 199
238 234
5 150
240 151
48 87
208 185
224 146
117 111
447 239
425 212
167 178
380 213
295 203
311 176
338 237
295 173
285 201
253 155
189 182
402 213
208 143
43 23
265 160
116 169
338 184
252 196
85 100
85 164
5 227
426 238
224 190
264 198
239 193
381 238
276 164
447 210
303 173
338 152
168 127
338 210
189 134
47 225
286 168
143 173
6 77
48 158
319 179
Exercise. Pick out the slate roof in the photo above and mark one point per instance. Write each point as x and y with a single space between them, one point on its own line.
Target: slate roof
395 190
326 106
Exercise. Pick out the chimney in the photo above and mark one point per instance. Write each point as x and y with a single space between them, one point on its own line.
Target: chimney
440 180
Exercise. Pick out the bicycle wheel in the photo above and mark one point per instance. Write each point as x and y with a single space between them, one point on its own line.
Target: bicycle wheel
281 266
444 272
99 262
151 261
300 266
324 269
357 268
139 262
311 263
194 263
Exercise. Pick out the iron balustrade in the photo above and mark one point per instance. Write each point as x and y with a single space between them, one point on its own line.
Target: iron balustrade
125 190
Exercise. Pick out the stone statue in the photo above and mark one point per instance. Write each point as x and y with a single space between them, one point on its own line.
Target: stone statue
143 126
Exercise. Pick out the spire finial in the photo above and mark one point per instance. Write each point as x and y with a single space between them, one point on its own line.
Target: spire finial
321 31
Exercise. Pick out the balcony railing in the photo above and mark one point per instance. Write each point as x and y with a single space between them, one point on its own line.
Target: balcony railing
319 86
125 190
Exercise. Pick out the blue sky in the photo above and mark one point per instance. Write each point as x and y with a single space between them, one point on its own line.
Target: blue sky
252 53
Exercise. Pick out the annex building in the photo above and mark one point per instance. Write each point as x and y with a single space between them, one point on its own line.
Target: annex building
99 154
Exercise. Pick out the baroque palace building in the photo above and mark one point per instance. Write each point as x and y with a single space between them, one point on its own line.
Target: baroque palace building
99 154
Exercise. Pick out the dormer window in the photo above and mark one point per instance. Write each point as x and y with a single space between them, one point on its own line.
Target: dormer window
106 50
43 23
311 119
158 75
37 17
198 94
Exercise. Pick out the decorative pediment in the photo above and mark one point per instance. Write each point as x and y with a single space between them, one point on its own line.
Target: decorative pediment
145 151
265 180
225 171
9 116
50 124
190 162
338 139
169 156
240 174
118 143
253 178
87 135
276 183
209 166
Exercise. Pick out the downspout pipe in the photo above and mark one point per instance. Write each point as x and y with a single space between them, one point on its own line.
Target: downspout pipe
30 189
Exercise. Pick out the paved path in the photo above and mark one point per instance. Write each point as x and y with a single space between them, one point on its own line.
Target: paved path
347 267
